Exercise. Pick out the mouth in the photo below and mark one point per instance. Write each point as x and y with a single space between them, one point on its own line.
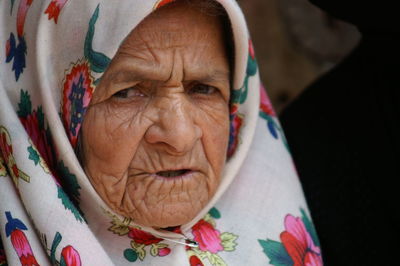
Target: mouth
173 173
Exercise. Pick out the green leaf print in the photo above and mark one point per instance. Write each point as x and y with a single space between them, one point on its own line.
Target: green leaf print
33 155
40 117
62 262
251 69
68 204
214 212
12 5
98 61
276 252
139 248
69 182
25 104
54 245
310 227
130 255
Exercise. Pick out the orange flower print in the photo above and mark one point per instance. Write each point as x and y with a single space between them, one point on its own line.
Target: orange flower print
54 9
161 3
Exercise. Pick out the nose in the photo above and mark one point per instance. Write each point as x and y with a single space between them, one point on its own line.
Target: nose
174 128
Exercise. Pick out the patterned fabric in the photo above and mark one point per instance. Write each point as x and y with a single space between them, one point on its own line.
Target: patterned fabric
52 54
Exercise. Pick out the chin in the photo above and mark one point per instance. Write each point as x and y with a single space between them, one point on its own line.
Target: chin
168 220
173 223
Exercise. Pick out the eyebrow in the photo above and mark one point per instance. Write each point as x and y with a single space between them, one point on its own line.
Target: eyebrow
125 75
134 74
217 75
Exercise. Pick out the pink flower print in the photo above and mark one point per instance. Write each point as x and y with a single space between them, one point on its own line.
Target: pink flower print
164 252
251 50
70 257
19 241
207 237
21 15
23 249
299 244
265 102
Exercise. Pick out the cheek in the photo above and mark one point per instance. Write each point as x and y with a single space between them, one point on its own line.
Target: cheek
215 127
107 132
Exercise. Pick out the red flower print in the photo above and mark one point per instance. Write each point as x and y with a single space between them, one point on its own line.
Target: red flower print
207 237
5 148
54 9
70 256
8 47
6 151
299 244
39 138
142 237
195 261
236 124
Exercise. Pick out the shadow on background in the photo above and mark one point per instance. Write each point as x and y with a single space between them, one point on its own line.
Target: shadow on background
295 43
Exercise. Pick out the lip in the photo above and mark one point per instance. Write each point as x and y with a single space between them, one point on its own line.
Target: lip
188 173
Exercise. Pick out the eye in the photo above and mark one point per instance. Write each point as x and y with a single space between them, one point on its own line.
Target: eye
129 93
202 89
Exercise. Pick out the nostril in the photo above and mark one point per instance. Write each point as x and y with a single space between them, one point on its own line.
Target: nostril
175 142
176 130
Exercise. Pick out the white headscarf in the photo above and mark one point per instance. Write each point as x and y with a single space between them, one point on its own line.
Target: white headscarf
51 56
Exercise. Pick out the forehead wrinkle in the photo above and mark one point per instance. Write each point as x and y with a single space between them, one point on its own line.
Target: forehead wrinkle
215 74
166 39
177 69
145 44
131 70
151 71
140 49
153 30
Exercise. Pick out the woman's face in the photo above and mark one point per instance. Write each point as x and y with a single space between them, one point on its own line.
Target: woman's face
156 133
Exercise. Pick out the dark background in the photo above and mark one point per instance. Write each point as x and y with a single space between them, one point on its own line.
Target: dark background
336 88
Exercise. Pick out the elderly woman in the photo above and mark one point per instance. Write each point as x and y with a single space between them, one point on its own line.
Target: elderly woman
138 131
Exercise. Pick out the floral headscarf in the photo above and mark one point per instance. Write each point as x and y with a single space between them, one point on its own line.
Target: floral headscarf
52 54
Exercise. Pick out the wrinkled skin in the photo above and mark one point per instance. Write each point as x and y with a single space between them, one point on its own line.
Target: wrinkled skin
161 105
